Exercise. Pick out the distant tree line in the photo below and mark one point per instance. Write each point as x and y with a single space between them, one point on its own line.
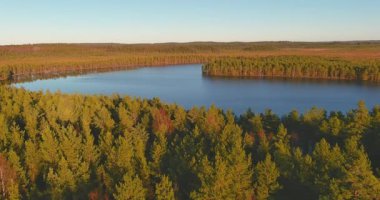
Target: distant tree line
58 146
19 62
25 71
303 67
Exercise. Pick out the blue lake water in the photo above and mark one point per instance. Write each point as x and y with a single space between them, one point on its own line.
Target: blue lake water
185 85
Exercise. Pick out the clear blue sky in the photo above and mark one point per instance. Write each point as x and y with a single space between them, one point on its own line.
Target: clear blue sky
137 21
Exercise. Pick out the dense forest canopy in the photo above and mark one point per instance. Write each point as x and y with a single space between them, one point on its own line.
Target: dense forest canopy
58 146
18 62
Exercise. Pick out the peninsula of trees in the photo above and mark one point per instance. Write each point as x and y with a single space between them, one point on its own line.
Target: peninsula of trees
302 67
58 146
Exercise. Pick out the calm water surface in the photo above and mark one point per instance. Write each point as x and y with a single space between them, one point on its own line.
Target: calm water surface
186 86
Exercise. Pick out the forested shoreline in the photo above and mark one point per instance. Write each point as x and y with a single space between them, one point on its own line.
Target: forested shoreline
60 146
299 67
22 62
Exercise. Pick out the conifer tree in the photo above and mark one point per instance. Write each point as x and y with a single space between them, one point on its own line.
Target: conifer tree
263 147
3 132
61 181
32 160
49 145
359 176
328 171
333 126
164 189
265 179
15 164
130 188
216 181
9 188
281 148
157 153
359 120
229 176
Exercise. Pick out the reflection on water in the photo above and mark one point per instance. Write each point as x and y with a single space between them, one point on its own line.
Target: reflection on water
186 86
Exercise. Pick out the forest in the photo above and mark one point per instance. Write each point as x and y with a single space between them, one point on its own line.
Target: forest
60 146
21 62
300 67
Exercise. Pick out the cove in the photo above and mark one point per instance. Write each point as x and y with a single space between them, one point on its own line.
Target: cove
186 86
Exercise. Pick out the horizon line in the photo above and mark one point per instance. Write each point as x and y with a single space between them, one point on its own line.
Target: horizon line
190 42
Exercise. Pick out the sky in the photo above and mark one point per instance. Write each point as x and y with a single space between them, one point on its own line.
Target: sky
156 21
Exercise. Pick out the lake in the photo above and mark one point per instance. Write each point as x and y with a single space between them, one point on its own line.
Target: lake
185 85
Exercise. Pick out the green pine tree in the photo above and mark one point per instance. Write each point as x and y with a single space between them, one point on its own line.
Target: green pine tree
164 189
130 188
265 179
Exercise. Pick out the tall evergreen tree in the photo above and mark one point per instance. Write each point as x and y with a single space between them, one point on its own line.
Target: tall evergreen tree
359 120
282 151
265 179
164 189
131 188
359 175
